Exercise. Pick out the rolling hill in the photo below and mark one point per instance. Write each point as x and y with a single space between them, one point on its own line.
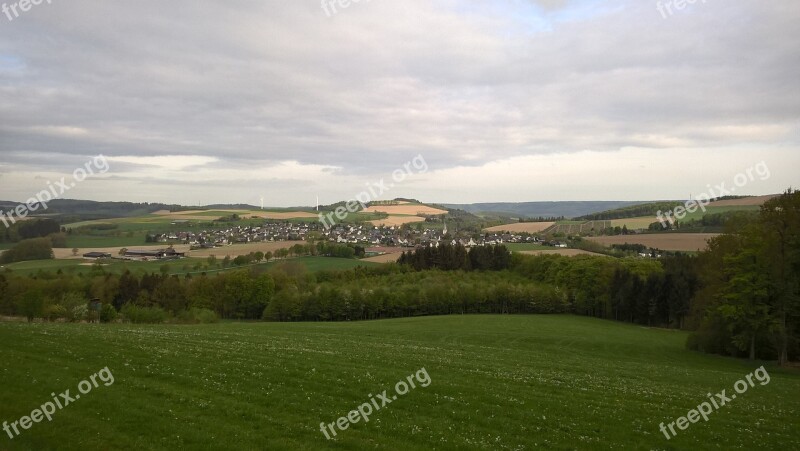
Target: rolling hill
493 382
567 209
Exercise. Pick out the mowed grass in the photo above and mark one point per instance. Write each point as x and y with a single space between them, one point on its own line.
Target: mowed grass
642 222
175 267
699 213
103 241
519 247
497 382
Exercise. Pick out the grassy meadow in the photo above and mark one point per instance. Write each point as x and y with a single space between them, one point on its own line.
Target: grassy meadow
520 247
643 222
497 382
173 267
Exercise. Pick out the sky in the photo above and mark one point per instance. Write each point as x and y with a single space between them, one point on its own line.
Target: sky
200 102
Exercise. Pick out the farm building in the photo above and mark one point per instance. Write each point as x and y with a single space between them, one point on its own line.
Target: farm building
155 254
96 255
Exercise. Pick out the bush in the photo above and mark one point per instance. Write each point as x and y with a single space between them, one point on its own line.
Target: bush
78 313
74 305
58 240
55 312
143 315
712 337
33 249
196 316
108 313
34 228
31 305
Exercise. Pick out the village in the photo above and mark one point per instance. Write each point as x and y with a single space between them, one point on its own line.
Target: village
355 234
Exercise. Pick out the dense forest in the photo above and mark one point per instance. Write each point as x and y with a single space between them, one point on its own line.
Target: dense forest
24 230
749 300
449 257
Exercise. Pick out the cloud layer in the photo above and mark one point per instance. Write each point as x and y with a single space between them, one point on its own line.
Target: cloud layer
507 100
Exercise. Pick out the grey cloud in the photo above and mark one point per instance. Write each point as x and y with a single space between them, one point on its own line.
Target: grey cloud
465 83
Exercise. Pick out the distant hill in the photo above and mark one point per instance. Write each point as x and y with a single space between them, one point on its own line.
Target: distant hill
652 208
230 207
746 201
92 208
70 210
568 209
632 211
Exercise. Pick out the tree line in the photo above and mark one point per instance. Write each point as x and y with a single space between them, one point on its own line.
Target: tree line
287 292
24 230
749 301
457 257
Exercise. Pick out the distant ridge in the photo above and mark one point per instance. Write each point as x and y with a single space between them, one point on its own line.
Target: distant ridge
85 210
568 209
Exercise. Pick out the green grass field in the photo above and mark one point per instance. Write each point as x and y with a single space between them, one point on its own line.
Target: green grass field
578 227
519 247
497 382
103 241
697 215
79 266
644 221
176 267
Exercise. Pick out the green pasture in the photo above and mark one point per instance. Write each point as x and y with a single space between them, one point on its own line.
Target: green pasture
496 382
519 247
173 267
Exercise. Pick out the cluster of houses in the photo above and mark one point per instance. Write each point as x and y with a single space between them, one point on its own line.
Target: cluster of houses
409 237
340 233
285 231
366 235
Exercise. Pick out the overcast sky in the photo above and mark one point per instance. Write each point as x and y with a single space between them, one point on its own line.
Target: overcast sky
505 100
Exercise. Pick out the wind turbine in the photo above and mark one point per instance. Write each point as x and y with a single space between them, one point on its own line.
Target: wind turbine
262 201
